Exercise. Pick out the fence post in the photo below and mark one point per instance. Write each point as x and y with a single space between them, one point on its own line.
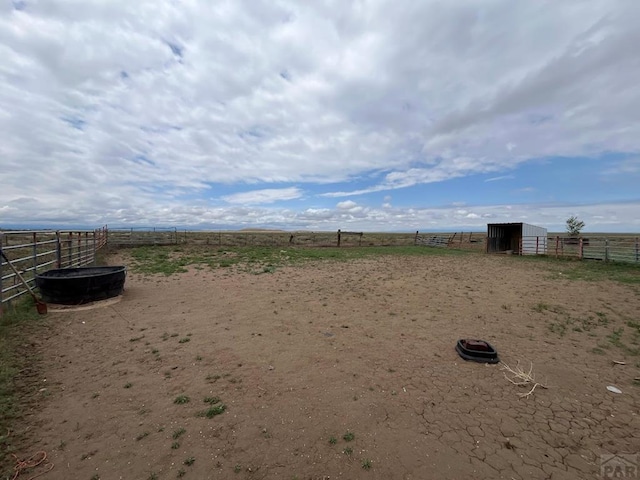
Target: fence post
637 249
69 249
58 250
35 256
537 243
580 249
338 237
606 249
95 246
415 241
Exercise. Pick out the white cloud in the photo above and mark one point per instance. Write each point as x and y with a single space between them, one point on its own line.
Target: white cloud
124 110
267 195
346 205
501 177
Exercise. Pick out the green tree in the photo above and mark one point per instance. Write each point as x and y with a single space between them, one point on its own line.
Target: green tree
574 226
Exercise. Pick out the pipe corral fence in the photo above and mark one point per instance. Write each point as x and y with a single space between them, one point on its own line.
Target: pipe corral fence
34 251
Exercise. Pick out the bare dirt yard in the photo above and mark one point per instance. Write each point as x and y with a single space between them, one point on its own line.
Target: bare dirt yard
340 369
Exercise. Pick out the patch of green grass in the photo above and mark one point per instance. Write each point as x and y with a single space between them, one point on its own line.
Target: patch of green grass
15 327
237 468
366 464
349 436
181 400
213 410
175 445
189 461
333 440
178 433
348 451
181 473
593 271
167 261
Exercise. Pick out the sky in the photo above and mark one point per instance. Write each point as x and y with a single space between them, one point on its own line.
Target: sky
363 115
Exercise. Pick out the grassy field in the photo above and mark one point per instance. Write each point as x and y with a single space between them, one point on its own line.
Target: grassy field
174 259
257 260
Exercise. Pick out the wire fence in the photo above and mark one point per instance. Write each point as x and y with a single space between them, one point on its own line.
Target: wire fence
35 251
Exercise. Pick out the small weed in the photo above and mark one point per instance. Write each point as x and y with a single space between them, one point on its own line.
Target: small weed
211 400
349 436
189 461
541 307
602 318
366 464
155 351
175 445
181 400
184 340
178 433
237 468
213 411
142 435
198 358
348 451
152 476
614 338
160 429
181 473
62 445
95 395
333 440
95 476
128 385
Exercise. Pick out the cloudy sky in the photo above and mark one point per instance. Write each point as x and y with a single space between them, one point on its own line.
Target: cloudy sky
375 115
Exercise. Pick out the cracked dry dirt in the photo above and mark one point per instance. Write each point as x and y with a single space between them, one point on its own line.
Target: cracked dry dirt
317 350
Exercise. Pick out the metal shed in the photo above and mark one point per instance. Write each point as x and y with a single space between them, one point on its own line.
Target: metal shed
516 238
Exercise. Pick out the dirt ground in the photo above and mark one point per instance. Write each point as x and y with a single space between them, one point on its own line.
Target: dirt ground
308 354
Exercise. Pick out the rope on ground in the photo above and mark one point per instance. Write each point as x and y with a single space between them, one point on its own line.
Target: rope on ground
38 458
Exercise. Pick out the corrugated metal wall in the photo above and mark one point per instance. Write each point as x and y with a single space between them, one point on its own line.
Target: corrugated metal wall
534 240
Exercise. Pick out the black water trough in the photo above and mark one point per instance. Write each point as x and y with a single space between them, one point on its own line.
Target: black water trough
74 286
